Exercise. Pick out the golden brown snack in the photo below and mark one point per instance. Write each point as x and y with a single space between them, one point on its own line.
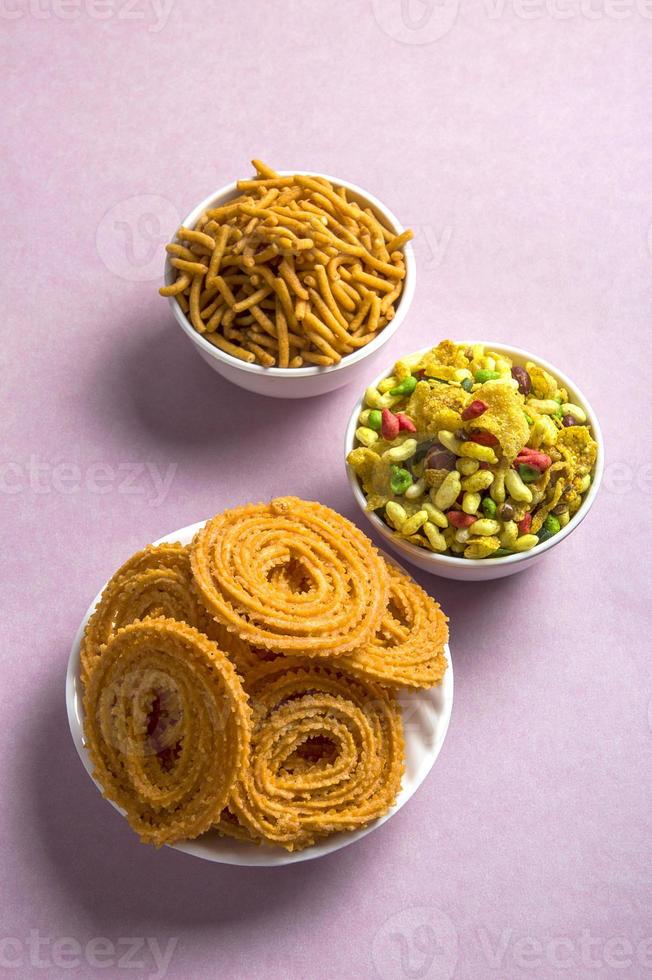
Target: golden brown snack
326 753
229 826
308 618
291 576
241 654
167 726
408 648
156 581
290 273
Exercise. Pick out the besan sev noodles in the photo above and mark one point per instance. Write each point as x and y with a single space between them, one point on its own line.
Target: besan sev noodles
290 273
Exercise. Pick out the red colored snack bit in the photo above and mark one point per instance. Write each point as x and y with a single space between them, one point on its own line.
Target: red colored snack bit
474 410
525 525
390 425
483 438
532 457
458 519
405 423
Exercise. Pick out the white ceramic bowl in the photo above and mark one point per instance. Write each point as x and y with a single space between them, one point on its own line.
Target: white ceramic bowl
467 569
301 382
426 715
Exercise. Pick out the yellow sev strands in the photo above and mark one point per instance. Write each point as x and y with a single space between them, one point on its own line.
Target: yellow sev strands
290 273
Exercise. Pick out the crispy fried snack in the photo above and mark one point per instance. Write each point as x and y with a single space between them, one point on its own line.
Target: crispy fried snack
154 582
408 648
291 576
287 603
167 726
229 826
243 656
289 273
326 753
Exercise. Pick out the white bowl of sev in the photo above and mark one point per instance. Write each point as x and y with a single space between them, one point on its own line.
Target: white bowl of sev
307 380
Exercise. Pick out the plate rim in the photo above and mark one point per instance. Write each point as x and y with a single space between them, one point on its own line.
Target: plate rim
237 852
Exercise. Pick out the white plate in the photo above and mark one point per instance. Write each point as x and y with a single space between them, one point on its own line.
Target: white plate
426 715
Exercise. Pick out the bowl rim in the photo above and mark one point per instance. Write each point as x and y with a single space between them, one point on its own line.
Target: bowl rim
406 548
403 306
244 856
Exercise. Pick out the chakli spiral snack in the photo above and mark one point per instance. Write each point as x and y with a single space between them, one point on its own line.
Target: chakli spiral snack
154 582
167 726
229 826
287 604
291 576
408 648
326 753
243 656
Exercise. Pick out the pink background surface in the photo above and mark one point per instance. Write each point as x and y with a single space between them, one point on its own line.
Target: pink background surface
517 141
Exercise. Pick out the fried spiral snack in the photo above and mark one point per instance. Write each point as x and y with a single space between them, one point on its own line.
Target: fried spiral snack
326 753
288 605
241 654
167 726
154 582
408 648
229 826
291 576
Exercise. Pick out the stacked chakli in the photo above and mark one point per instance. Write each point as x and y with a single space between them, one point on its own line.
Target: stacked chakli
248 682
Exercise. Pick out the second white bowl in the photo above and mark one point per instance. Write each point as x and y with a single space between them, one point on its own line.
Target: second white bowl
303 382
468 569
